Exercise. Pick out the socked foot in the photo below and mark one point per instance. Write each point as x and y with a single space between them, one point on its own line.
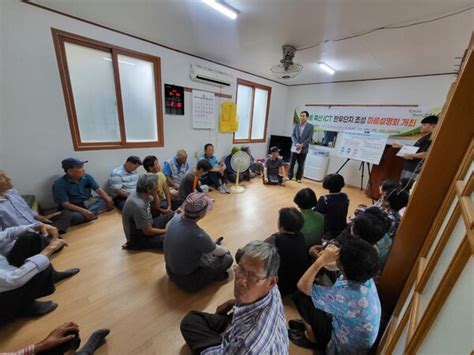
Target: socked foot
39 308
61 275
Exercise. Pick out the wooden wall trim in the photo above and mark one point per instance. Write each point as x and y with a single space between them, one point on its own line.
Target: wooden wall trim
431 263
406 291
32 3
437 175
375 79
401 327
216 94
360 105
441 294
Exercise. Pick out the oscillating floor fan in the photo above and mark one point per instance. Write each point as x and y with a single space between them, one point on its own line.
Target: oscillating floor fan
239 162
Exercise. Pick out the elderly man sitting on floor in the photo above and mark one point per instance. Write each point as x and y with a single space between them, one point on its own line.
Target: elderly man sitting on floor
257 323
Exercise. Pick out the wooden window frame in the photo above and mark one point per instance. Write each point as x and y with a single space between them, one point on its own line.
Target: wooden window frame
59 38
253 86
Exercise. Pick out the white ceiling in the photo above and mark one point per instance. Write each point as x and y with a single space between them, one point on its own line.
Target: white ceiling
253 41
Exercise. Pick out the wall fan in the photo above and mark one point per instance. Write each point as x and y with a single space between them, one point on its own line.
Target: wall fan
287 69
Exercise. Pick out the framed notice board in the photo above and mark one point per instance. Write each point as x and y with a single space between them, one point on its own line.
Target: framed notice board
174 100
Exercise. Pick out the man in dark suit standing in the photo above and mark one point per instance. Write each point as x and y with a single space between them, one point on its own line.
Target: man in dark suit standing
301 137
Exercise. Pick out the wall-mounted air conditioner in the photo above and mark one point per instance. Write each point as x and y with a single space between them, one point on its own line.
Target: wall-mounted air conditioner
209 76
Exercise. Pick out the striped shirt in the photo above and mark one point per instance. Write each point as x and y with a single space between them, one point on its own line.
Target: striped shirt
14 211
257 328
12 277
29 350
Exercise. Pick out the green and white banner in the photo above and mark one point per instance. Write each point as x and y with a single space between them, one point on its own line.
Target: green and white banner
394 121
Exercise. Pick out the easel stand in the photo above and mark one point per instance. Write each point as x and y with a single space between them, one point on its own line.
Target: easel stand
362 170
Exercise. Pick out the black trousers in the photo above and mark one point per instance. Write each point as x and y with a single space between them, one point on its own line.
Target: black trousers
300 158
27 245
175 204
279 177
214 179
143 241
13 302
119 201
62 221
203 275
203 330
319 321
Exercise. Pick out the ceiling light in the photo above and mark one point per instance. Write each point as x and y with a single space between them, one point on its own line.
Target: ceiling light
326 68
222 8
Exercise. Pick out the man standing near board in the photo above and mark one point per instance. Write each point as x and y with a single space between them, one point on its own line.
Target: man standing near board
301 137
413 162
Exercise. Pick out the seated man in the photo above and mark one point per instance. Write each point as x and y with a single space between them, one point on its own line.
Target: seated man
193 259
191 183
257 323
72 192
273 173
14 211
123 180
255 168
230 172
141 230
345 317
167 202
176 168
292 248
216 177
22 282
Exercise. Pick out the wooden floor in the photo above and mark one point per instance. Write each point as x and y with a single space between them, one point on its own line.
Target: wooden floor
129 292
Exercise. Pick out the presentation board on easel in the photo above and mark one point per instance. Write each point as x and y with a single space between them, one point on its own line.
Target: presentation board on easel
364 146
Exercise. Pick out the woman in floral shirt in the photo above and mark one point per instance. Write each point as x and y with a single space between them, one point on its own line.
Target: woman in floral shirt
345 317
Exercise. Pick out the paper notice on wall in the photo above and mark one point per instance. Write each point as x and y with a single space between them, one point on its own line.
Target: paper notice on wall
363 146
203 110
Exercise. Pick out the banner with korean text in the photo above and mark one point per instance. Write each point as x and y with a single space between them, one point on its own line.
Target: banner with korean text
394 121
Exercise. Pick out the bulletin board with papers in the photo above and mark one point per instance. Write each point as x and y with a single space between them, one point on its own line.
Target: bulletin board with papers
364 146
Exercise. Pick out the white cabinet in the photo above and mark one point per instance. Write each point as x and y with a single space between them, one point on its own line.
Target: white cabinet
316 164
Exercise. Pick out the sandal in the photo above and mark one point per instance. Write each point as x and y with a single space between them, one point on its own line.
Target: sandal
297 324
298 338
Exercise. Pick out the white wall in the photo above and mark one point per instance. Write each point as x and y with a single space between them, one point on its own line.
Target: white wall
426 92
34 129
37 132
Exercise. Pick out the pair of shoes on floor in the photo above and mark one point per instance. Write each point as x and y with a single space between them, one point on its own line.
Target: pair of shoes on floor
296 333
223 189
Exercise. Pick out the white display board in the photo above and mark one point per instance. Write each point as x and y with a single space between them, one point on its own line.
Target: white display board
363 146
203 110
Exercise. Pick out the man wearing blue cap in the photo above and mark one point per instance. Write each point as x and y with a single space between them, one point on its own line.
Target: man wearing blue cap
72 192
